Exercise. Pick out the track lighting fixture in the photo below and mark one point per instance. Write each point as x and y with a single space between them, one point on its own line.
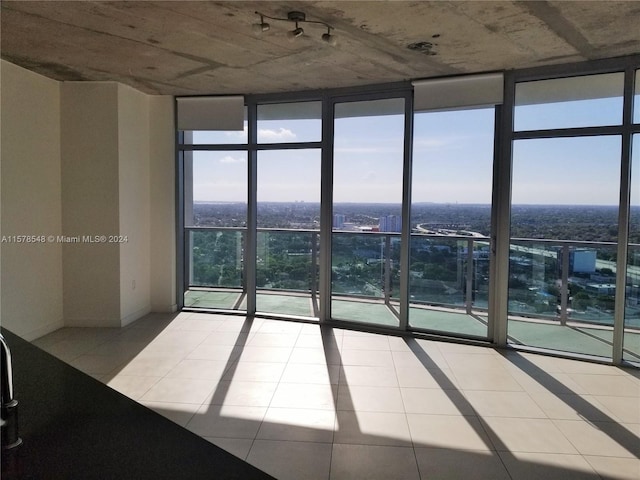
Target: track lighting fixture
260 27
296 18
295 33
330 39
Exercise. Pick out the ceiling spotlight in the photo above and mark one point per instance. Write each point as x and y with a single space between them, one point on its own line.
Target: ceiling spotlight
297 18
295 33
258 28
328 38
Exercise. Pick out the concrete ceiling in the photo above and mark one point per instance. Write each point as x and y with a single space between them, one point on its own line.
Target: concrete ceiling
186 48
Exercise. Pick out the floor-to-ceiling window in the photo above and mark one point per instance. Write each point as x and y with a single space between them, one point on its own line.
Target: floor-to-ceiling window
567 156
365 207
631 340
215 217
368 159
288 207
451 220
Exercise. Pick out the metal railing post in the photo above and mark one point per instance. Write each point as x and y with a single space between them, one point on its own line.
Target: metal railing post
469 284
387 269
189 242
314 265
564 286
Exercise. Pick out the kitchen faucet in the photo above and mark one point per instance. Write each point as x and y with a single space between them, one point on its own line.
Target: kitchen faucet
9 405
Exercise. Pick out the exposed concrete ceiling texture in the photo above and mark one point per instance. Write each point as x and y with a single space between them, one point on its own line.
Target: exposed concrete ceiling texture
209 47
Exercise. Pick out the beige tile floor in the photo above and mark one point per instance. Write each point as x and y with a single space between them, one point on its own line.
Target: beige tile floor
301 402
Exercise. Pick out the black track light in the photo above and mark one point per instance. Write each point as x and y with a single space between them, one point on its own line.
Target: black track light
294 17
258 28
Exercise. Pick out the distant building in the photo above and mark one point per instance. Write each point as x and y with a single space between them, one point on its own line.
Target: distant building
338 220
601 288
391 223
580 261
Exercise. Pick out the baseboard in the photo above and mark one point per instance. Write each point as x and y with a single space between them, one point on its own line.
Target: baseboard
132 317
164 308
41 331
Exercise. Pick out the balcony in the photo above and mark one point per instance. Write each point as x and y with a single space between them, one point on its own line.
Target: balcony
561 294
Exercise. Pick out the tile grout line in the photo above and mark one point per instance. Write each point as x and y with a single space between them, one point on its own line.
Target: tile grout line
406 419
278 383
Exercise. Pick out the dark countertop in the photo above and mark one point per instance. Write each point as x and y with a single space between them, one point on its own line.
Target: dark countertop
74 427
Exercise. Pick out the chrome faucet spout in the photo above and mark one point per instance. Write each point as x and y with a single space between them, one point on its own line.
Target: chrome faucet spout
6 374
8 404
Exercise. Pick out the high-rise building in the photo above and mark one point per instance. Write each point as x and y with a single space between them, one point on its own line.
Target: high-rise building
581 260
391 223
338 220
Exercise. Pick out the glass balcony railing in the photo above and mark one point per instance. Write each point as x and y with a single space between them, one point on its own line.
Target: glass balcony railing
215 257
287 260
451 271
632 306
366 265
562 297
551 283
564 281
632 314
214 267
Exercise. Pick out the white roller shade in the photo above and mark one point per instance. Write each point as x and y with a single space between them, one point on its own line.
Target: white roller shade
586 87
458 92
211 113
370 108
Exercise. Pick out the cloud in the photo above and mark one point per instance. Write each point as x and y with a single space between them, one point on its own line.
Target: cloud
230 159
280 134
370 176
429 143
362 150
238 134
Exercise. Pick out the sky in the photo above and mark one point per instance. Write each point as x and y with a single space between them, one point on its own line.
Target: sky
452 159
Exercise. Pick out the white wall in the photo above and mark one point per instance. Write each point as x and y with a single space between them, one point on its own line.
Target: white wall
163 234
134 201
85 158
31 274
90 202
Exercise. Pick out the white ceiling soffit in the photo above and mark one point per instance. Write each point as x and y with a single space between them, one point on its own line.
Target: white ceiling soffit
458 92
291 111
211 113
370 108
587 87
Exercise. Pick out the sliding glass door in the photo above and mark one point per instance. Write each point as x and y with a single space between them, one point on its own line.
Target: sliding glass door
451 221
215 218
368 159
631 345
288 208
565 214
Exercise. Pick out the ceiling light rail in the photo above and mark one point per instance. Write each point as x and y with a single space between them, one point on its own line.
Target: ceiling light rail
296 18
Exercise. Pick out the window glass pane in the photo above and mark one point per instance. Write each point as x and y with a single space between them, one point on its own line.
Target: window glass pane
451 197
562 259
367 199
368 162
634 219
566 188
452 171
289 189
217 137
636 100
287 265
632 299
217 185
216 259
288 196
586 101
290 122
